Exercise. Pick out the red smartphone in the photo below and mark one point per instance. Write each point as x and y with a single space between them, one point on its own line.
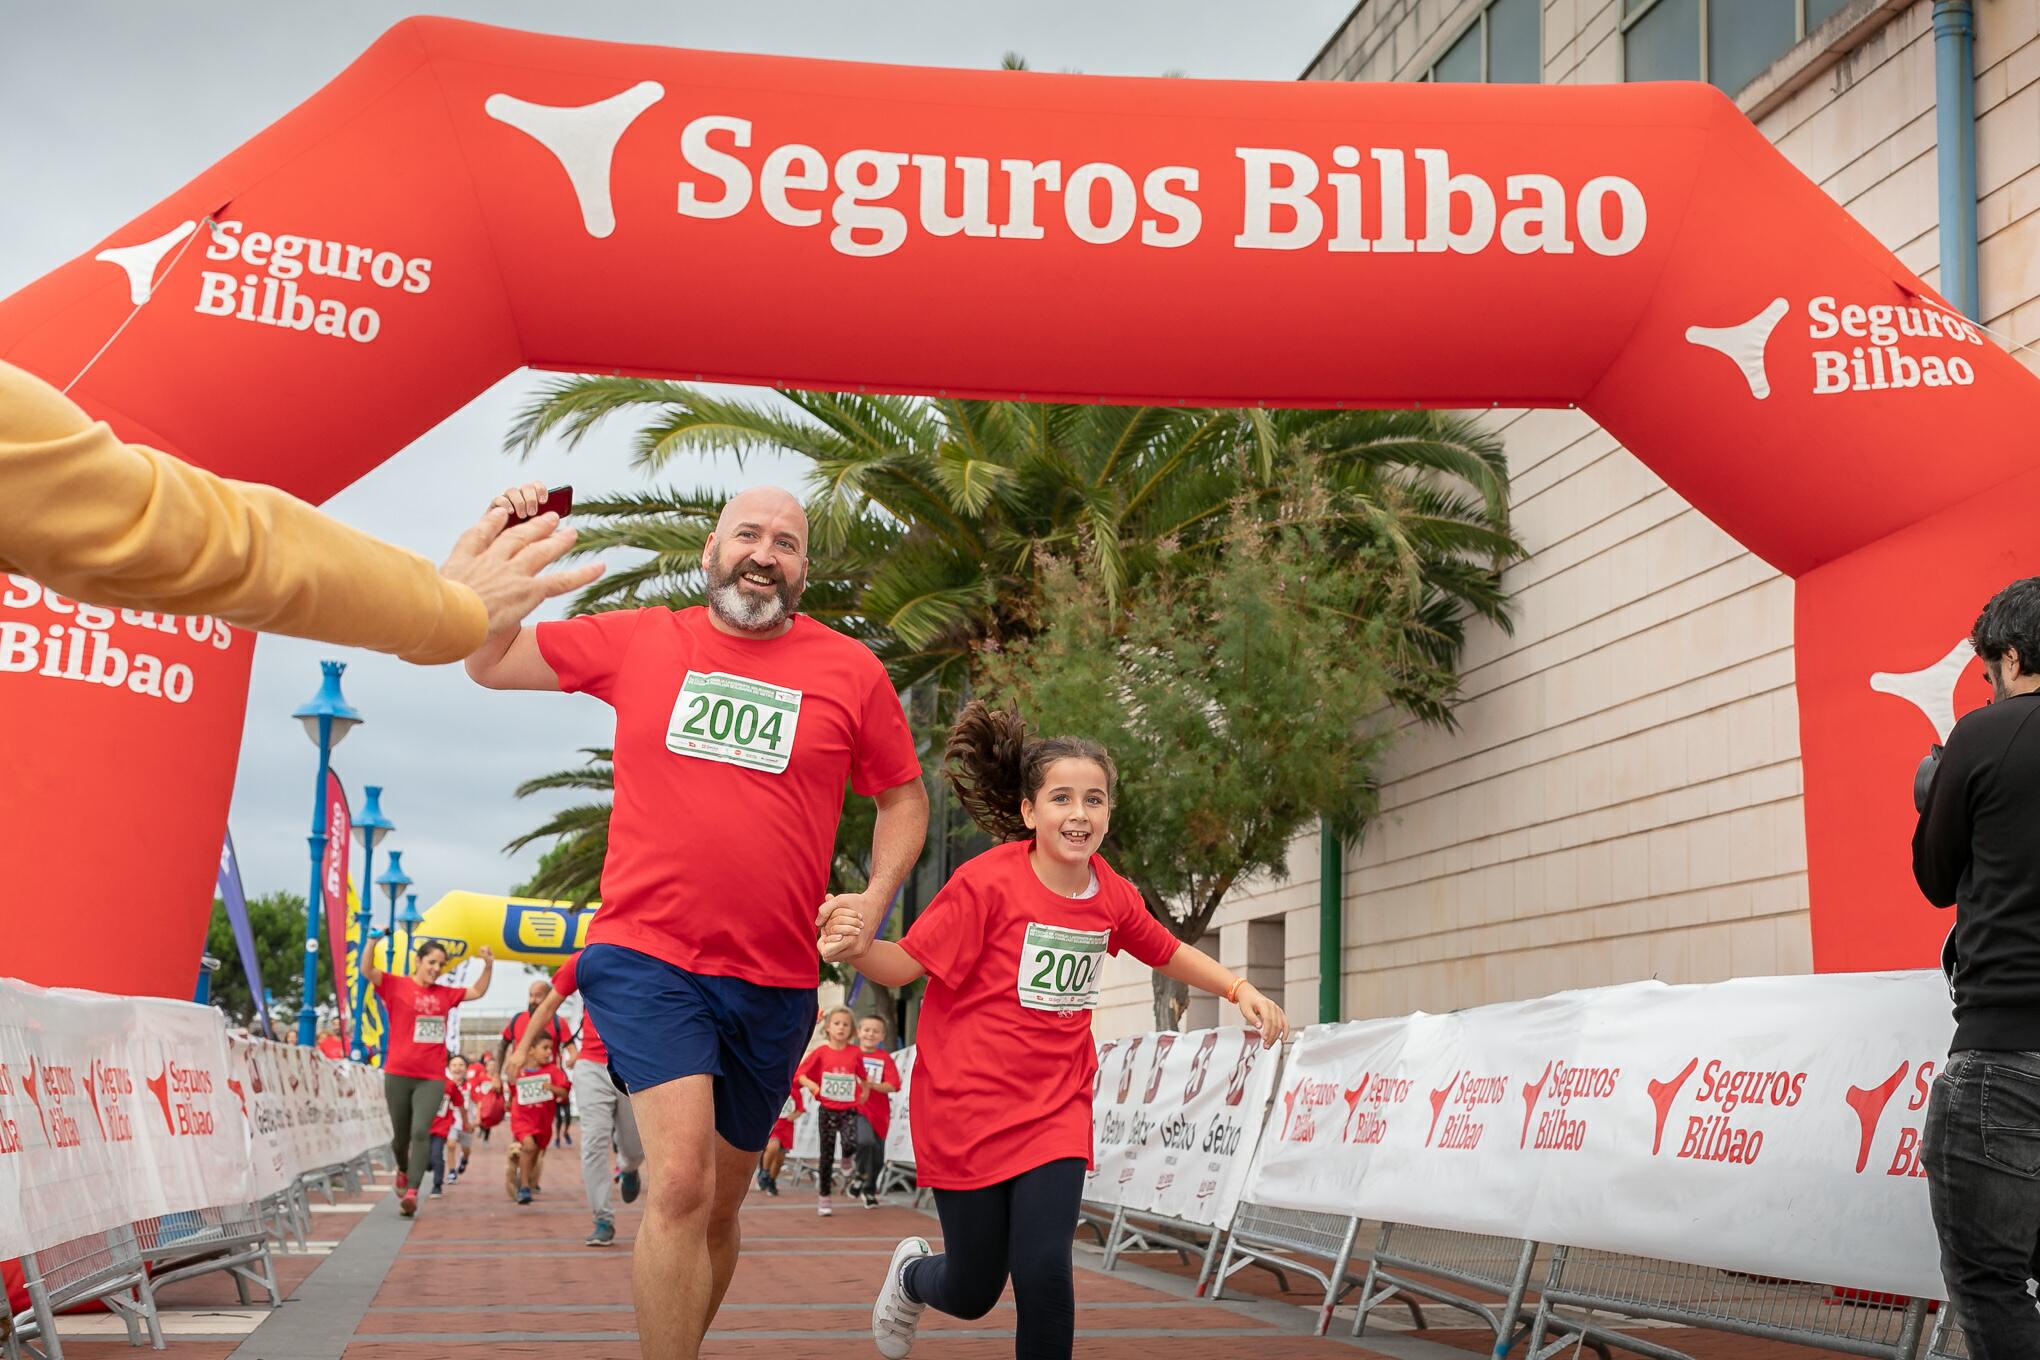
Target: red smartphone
559 500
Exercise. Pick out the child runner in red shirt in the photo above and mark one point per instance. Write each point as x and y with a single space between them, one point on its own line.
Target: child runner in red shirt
534 1088
874 1116
452 1111
833 1073
1012 948
779 1142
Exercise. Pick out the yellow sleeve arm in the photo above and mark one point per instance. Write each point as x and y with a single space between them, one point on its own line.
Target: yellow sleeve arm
130 527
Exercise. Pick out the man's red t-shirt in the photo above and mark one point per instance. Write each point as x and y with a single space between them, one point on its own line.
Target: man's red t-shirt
836 1071
877 1107
455 1099
731 757
1004 1063
521 1022
417 1025
566 982
532 1099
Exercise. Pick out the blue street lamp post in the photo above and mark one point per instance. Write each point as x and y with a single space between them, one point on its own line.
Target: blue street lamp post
328 719
373 826
410 918
393 881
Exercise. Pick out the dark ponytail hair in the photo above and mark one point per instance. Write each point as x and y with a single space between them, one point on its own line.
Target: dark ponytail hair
993 765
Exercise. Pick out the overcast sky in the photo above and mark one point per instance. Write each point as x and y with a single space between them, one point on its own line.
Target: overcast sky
107 107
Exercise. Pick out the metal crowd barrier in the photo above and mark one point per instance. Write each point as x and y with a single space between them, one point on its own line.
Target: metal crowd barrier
177 1247
1282 1240
1948 1341
1133 1230
106 1266
1721 1301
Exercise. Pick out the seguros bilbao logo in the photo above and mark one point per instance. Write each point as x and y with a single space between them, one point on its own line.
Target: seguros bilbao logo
1720 1126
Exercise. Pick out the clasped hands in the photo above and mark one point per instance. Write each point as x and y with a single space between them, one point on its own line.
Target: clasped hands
843 927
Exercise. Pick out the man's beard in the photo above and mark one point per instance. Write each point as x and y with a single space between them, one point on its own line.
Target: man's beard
743 610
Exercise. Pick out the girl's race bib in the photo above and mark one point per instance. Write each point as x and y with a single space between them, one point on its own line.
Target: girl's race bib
1060 967
840 1087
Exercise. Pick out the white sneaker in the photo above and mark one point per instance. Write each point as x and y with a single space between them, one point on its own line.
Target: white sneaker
822 1206
895 1317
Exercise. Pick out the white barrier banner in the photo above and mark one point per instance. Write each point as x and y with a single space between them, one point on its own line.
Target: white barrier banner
1175 1121
118 1109
899 1134
1767 1125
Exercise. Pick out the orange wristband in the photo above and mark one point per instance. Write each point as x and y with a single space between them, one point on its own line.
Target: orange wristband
1232 993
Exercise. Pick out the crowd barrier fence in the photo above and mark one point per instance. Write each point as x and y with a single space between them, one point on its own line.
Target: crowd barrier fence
141 1144
1658 1130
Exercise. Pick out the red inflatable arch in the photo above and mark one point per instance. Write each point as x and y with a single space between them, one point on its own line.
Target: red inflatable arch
465 200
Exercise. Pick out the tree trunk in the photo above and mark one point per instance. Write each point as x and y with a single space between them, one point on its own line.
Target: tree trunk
1172 999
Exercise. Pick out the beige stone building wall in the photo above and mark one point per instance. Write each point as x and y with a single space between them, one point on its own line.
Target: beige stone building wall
1621 799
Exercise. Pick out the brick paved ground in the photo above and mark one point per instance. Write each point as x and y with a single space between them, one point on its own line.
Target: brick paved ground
476 1276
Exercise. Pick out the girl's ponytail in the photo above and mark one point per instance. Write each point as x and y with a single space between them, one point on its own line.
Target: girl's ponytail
983 764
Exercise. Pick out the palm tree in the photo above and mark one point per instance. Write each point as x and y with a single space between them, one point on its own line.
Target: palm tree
932 520
935 523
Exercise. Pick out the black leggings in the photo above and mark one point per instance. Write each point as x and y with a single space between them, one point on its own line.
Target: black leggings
413 1102
837 1125
1022 1227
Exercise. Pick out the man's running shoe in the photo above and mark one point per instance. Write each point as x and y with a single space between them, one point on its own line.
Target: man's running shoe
408 1205
524 1196
630 1183
604 1234
871 1199
772 1186
895 1317
822 1207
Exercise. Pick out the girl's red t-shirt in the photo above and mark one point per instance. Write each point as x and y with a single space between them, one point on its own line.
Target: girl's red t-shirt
532 1101
454 1100
837 1071
1005 1062
417 1024
877 1107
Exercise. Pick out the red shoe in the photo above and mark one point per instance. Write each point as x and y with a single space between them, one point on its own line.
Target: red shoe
403 1182
408 1205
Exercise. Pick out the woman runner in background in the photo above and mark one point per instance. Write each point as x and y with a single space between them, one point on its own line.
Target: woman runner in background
1012 948
414 1069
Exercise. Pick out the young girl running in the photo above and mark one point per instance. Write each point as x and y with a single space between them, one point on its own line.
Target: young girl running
535 1086
833 1073
780 1142
1012 948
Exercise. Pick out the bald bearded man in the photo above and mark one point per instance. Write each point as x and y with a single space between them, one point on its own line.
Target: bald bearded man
738 723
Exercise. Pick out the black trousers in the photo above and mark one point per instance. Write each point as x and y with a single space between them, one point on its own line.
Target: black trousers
1982 1158
835 1126
1019 1228
438 1163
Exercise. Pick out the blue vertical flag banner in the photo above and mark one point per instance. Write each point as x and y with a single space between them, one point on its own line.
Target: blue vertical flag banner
244 934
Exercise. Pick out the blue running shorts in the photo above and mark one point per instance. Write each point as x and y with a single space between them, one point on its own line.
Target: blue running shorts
661 1022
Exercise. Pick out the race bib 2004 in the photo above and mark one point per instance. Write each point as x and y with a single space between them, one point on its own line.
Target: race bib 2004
1059 968
428 1029
534 1090
839 1086
734 721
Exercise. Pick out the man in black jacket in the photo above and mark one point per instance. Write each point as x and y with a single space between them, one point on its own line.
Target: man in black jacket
1977 848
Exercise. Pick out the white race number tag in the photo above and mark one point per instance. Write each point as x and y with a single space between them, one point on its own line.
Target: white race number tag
874 1069
1059 968
839 1086
734 721
534 1090
428 1029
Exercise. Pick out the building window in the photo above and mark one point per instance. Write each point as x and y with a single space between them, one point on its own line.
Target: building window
1503 45
1727 43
